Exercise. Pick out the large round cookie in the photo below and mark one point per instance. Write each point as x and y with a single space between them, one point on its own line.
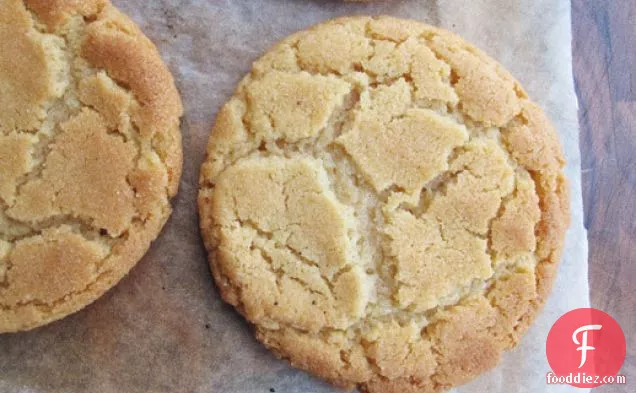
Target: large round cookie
384 204
90 154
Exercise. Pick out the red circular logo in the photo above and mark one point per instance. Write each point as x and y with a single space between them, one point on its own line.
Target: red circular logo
586 348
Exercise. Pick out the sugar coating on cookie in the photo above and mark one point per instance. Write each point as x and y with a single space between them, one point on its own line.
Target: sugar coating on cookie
90 154
384 204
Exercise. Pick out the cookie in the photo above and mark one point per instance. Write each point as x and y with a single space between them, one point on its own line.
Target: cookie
90 154
384 204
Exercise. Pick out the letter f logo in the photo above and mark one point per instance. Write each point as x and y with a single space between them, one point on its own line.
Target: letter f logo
583 344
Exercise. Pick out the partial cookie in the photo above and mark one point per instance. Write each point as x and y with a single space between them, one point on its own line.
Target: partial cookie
384 204
90 154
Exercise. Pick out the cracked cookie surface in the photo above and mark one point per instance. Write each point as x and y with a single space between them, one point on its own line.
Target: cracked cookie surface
90 154
384 204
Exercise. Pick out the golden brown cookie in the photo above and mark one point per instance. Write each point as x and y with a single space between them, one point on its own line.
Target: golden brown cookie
90 154
384 204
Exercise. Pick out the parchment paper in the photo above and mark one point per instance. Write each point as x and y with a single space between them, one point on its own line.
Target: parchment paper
164 328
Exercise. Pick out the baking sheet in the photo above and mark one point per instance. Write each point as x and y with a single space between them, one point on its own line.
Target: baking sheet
164 328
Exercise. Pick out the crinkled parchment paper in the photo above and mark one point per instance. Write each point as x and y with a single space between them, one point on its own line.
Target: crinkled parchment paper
165 328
